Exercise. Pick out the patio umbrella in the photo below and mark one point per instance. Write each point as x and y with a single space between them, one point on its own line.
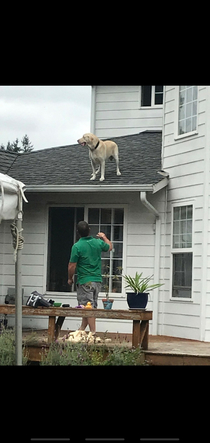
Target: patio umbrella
11 203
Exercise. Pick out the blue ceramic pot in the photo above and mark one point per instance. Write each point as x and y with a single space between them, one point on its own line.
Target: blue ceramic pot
137 301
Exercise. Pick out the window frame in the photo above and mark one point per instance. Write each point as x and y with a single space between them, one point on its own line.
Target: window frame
178 136
153 105
181 251
86 207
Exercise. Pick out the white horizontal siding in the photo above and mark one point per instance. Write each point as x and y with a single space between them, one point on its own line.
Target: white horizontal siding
117 112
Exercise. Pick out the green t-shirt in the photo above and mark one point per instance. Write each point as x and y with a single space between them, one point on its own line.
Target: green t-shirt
87 254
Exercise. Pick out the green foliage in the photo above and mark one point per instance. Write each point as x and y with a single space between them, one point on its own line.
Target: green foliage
122 356
7 348
140 284
14 146
82 354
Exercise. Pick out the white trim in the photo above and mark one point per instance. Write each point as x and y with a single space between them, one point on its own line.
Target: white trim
181 251
204 277
186 134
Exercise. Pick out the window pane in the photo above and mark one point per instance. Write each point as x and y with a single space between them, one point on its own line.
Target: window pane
117 284
177 213
117 250
118 233
189 212
93 216
146 93
182 227
105 216
94 229
182 275
194 123
117 267
158 89
158 95
107 230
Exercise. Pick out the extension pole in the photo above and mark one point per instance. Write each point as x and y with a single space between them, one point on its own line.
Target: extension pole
18 290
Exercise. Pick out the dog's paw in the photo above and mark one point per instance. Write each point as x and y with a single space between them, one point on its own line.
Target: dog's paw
118 173
93 177
101 179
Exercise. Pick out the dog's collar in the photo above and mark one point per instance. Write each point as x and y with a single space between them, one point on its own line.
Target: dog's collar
97 145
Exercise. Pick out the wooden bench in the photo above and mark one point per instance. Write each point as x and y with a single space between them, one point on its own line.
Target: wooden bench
139 317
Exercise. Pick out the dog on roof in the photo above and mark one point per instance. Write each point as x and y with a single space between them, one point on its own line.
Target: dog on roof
99 152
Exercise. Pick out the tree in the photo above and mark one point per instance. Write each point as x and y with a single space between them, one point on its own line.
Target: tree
26 144
13 147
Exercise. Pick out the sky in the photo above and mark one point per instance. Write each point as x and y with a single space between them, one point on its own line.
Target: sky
49 115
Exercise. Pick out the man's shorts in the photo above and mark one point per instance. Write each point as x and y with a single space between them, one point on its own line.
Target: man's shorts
88 292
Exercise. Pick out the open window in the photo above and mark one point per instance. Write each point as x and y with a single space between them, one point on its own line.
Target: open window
62 235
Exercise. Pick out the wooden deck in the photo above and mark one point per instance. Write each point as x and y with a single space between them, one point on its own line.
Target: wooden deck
162 350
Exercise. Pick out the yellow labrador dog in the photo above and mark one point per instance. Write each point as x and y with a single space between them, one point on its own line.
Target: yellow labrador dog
99 151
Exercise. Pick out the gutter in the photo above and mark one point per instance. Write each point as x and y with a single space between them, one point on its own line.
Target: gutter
148 205
153 188
88 188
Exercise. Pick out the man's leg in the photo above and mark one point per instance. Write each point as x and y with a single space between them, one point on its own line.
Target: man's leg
92 324
85 294
83 324
96 287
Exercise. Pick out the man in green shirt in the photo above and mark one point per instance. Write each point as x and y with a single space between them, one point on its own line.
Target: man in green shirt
86 259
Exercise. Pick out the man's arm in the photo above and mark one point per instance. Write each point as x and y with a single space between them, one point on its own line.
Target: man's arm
105 239
71 272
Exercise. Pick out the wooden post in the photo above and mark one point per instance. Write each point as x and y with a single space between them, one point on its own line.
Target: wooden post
144 332
58 326
51 329
136 334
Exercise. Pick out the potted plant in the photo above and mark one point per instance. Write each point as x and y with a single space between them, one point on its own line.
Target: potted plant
141 286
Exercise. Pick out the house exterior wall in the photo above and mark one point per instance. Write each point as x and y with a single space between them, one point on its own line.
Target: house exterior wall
116 111
186 159
139 250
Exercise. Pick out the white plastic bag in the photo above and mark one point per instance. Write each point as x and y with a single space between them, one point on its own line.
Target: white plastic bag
9 192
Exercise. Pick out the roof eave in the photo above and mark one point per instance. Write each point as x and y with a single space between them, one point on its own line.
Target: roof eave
97 188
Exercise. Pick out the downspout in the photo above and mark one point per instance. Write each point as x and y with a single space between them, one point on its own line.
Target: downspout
144 201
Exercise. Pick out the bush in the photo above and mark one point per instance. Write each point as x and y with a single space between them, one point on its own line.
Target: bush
7 348
82 354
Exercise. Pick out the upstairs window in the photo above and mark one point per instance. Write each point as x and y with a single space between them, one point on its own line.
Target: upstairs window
151 95
187 109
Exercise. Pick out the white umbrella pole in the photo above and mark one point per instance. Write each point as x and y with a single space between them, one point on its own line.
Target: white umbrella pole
18 290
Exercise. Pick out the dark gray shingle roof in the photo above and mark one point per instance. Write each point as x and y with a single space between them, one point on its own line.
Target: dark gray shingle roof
6 160
140 159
